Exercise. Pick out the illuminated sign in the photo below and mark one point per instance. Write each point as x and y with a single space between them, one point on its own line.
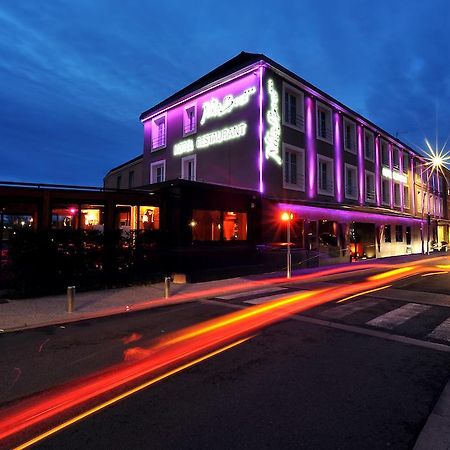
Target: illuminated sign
396 176
215 108
273 133
209 139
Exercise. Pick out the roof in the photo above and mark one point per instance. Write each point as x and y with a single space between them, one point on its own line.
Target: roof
245 59
137 158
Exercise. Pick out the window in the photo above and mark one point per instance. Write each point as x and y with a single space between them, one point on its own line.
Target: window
395 158
369 151
326 177
190 120
131 179
408 235
324 127
189 167
293 168
370 186
351 174
406 200
209 225
405 162
385 192
397 200
293 107
159 132
387 233
349 136
148 218
158 172
398 233
384 153
118 182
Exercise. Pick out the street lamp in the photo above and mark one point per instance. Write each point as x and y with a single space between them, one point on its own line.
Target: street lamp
287 216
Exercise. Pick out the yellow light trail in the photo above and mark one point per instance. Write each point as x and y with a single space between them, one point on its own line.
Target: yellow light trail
391 273
364 293
116 399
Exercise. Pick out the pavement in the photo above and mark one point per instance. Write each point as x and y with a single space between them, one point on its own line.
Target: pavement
51 310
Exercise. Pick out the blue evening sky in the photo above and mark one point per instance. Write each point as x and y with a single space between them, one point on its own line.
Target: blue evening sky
75 75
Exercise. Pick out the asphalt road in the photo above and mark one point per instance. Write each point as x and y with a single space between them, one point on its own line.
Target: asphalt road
297 384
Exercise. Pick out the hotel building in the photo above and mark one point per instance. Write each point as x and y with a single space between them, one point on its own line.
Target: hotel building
229 153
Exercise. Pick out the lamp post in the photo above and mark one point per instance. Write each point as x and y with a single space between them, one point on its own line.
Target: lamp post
287 217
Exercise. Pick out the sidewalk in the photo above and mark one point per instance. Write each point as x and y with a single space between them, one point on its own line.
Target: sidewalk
36 312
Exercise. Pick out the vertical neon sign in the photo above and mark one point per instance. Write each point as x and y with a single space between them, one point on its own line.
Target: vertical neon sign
273 133
311 147
261 130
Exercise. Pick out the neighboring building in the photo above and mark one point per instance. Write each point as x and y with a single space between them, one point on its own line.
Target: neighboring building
253 130
126 176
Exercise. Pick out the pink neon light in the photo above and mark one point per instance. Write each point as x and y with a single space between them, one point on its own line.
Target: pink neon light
338 157
413 196
400 166
391 181
311 147
342 215
360 165
261 131
377 171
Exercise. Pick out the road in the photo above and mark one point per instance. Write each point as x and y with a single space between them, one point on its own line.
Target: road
365 372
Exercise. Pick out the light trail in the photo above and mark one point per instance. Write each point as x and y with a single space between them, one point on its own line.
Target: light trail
117 398
434 273
180 347
364 293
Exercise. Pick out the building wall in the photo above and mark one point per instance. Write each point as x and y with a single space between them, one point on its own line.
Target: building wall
121 178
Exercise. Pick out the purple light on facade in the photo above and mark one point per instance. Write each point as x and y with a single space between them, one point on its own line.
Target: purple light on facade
413 184
338 158
391 181
439 195
400 165
360 166
342 215
311 152
261 129
377 171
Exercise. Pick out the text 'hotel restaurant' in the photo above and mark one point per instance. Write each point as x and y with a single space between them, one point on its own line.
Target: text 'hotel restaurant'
251 139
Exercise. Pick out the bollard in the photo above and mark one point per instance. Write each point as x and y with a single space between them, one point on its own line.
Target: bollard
167 287
70 298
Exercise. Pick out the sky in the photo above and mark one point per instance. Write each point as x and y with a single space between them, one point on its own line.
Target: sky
75 75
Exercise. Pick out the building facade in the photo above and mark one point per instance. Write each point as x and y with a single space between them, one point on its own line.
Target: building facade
255 127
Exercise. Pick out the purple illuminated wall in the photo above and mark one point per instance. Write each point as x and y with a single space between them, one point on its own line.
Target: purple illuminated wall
338 157
311 153
391 181
360 164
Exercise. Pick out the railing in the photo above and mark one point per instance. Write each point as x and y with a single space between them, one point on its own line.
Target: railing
158 141
324 133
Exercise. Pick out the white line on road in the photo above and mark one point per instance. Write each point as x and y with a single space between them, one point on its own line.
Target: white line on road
442 331
396 317
338 312
248 293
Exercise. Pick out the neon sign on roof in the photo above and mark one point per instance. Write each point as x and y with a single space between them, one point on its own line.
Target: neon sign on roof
216 108
273 133
210 139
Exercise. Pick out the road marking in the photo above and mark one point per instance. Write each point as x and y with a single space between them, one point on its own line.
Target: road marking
396 317
442 331
261 300
248 293
338 312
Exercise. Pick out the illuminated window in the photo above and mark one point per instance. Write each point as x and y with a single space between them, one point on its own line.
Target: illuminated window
351 174
406 200
397 200
148 218
349 136
369 151
158 172
293 107
385 192
324 127
189 167
210 225
159 132
326 176
384 153
370 187
189 120
293 168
